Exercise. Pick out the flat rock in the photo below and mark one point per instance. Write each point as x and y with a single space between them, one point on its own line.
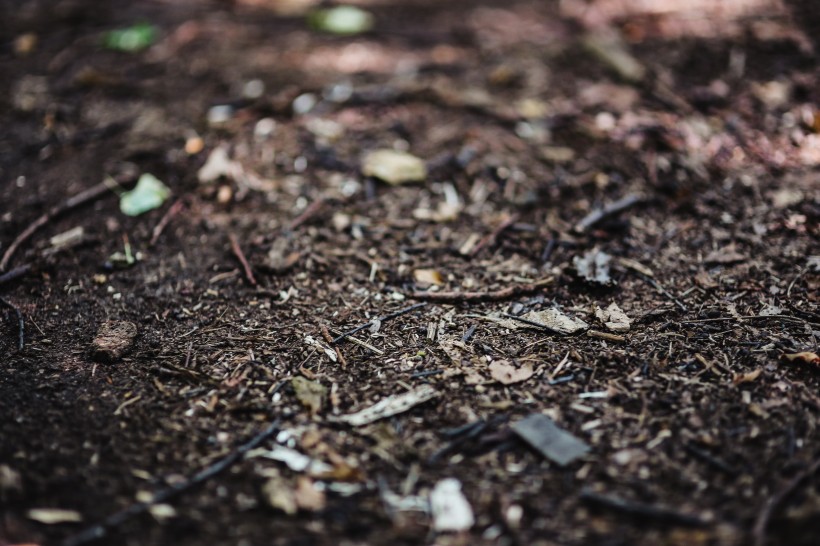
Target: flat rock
114 339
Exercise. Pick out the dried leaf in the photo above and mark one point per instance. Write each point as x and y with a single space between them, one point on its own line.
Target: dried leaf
217 165
296 461
506 373
279 495
308 496
392 405
547 438
309 393
450 509
394 167
113 340
593 267
54 516
613 318
724 256
552 319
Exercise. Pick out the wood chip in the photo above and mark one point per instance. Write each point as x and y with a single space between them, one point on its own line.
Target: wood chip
114 339
551 441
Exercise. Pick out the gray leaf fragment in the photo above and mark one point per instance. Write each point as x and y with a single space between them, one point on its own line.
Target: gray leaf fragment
551 441
593 267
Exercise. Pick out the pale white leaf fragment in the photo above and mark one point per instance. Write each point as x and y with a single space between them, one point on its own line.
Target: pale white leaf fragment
450 508
613 318
54 516
394 167
392 405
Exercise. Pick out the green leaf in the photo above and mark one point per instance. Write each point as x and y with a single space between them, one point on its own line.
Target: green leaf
132 39
342 20
148 194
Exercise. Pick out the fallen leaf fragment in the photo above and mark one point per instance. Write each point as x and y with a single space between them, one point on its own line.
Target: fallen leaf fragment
552 319
308 496
149 193
428 276
132 39
593 267
341 20
394 167
392 405
450 508
724 256
805 357
296 461
309 393
613 318
279 495
54 516
217 165
747 377
551 441
114 339
506 373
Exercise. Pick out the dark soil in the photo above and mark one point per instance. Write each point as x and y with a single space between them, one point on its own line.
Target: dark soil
697 418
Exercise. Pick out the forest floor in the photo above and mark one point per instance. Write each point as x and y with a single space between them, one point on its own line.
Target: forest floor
616 252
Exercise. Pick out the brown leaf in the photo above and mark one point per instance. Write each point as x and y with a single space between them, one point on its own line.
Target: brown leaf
308 496
506 373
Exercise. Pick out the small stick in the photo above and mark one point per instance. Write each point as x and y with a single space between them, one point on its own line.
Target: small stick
172 211
491 237
606 336
747 317
21 326
710 459
329 339
237 251
531 323
380 319
81 198
98 531
777 499
642 510
15 273
611 209
361 343
309 212
657 286
473 297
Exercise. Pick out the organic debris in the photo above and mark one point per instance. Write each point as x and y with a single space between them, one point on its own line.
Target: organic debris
114 339
450 508
149 193
613 318
390 406
593 267
394 167
554 443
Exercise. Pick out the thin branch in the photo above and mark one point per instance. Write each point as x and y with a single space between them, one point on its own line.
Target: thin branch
81 198
491 238
598 215
473 297
172 211
380 319
15 273
643 510
309 212
237 251
100 530
21 325
777 499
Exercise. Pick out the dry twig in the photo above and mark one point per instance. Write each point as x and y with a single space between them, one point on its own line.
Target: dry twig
98 531
172 211
389 316
473 297
237 251
777 499
81 198
491 238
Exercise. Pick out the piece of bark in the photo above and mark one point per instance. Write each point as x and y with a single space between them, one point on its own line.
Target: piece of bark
114 339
